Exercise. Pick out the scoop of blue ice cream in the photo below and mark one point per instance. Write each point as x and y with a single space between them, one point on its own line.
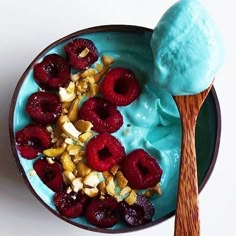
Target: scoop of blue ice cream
187 49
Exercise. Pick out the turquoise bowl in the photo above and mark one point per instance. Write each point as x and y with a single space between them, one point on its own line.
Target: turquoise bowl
126 43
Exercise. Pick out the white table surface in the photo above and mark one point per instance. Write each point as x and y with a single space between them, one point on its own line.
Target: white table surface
26 28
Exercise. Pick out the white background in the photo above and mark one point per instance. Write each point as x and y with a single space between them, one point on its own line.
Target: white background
26 28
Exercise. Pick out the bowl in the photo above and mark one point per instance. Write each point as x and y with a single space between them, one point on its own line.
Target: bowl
130 46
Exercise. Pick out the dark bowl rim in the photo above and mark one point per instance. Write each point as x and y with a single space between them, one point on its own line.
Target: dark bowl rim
103 28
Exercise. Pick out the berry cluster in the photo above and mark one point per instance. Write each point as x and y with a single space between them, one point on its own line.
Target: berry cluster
118 87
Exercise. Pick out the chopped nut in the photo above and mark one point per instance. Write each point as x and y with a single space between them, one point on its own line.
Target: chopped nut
121 180
54 152
131 199
84 53
71 87
99 67
93 89
107 60
148 194
100 74
77 184
63 119
49 128
65 96
157 189
64 111
50 160
69 141
66 162
83 126
85 136
88 72
73 111
90 79
125 191
70 130
91 192
32 172
73 149
69 189
66 105
114 169
110 185
102 187
83 169
76 158
68 176
92 179
75 77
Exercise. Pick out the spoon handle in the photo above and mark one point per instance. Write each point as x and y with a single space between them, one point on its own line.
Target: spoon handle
187 221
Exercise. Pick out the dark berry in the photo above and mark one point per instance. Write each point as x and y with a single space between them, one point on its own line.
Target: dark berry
102 114
102 213
141 170
137 214
44 107
103 151
71 204
32 140
74 50
120 86
50 174
53 72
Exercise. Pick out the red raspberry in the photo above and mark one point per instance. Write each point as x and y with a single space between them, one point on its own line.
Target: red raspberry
71 204
141 170
44 107
50 174
103 151
32 140
102 114
102 213
120 86
137 214
74 49
53 72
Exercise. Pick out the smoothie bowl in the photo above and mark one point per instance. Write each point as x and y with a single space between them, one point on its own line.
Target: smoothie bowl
94 141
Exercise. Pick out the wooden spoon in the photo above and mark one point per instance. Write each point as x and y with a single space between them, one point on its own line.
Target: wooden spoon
187 221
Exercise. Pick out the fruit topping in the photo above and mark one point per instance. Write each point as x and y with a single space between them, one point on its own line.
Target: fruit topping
71 204
50 174
141 170
120 86
44 107
137 214
102 114
53 72
102 212
32 140
82 53
104 151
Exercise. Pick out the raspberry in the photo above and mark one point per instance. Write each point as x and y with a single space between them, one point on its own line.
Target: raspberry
71 204
102 114
32 140
53 72
74 49
137 214
145 170
50 174
103 151
44 107
102 213
120 86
